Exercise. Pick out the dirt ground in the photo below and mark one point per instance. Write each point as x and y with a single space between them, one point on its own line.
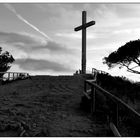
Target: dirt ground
47 106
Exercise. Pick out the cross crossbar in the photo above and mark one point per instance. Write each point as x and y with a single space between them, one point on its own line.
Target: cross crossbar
84 26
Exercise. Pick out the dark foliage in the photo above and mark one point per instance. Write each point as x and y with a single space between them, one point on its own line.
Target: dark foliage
6 59
124 56
119 86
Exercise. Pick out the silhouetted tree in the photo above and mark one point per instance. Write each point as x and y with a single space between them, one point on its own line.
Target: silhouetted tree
6 59
125 56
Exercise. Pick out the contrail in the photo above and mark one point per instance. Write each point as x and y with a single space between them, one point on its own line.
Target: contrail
12 9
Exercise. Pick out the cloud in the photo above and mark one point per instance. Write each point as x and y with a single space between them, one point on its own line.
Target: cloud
13 37
44 55
30 43
41 65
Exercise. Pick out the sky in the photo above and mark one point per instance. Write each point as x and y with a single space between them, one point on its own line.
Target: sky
41 36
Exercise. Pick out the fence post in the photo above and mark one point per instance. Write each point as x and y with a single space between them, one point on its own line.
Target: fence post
93 109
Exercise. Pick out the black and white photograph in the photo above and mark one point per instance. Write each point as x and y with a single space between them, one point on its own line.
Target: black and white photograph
69 69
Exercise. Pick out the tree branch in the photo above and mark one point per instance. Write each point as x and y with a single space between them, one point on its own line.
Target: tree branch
134 67
131 70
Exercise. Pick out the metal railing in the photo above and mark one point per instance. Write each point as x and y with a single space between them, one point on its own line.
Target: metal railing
90 86
98 71
9 76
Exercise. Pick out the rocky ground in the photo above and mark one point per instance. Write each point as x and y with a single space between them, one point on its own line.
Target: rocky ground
47 106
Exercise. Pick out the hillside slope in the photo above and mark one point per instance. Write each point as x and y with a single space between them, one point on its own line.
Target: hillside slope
46 106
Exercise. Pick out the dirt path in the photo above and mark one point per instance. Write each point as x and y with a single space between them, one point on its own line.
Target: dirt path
46 106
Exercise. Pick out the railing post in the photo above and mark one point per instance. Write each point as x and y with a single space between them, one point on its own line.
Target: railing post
17 76
93 109
13 76
8 76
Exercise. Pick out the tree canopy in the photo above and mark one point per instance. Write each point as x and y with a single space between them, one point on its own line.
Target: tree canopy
6 59
125 56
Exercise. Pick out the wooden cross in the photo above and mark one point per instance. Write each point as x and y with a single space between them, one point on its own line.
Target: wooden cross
83 28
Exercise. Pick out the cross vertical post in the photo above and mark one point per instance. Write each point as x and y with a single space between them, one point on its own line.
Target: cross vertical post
83 43
83 28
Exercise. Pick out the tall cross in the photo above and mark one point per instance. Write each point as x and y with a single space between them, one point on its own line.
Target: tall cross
83 28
